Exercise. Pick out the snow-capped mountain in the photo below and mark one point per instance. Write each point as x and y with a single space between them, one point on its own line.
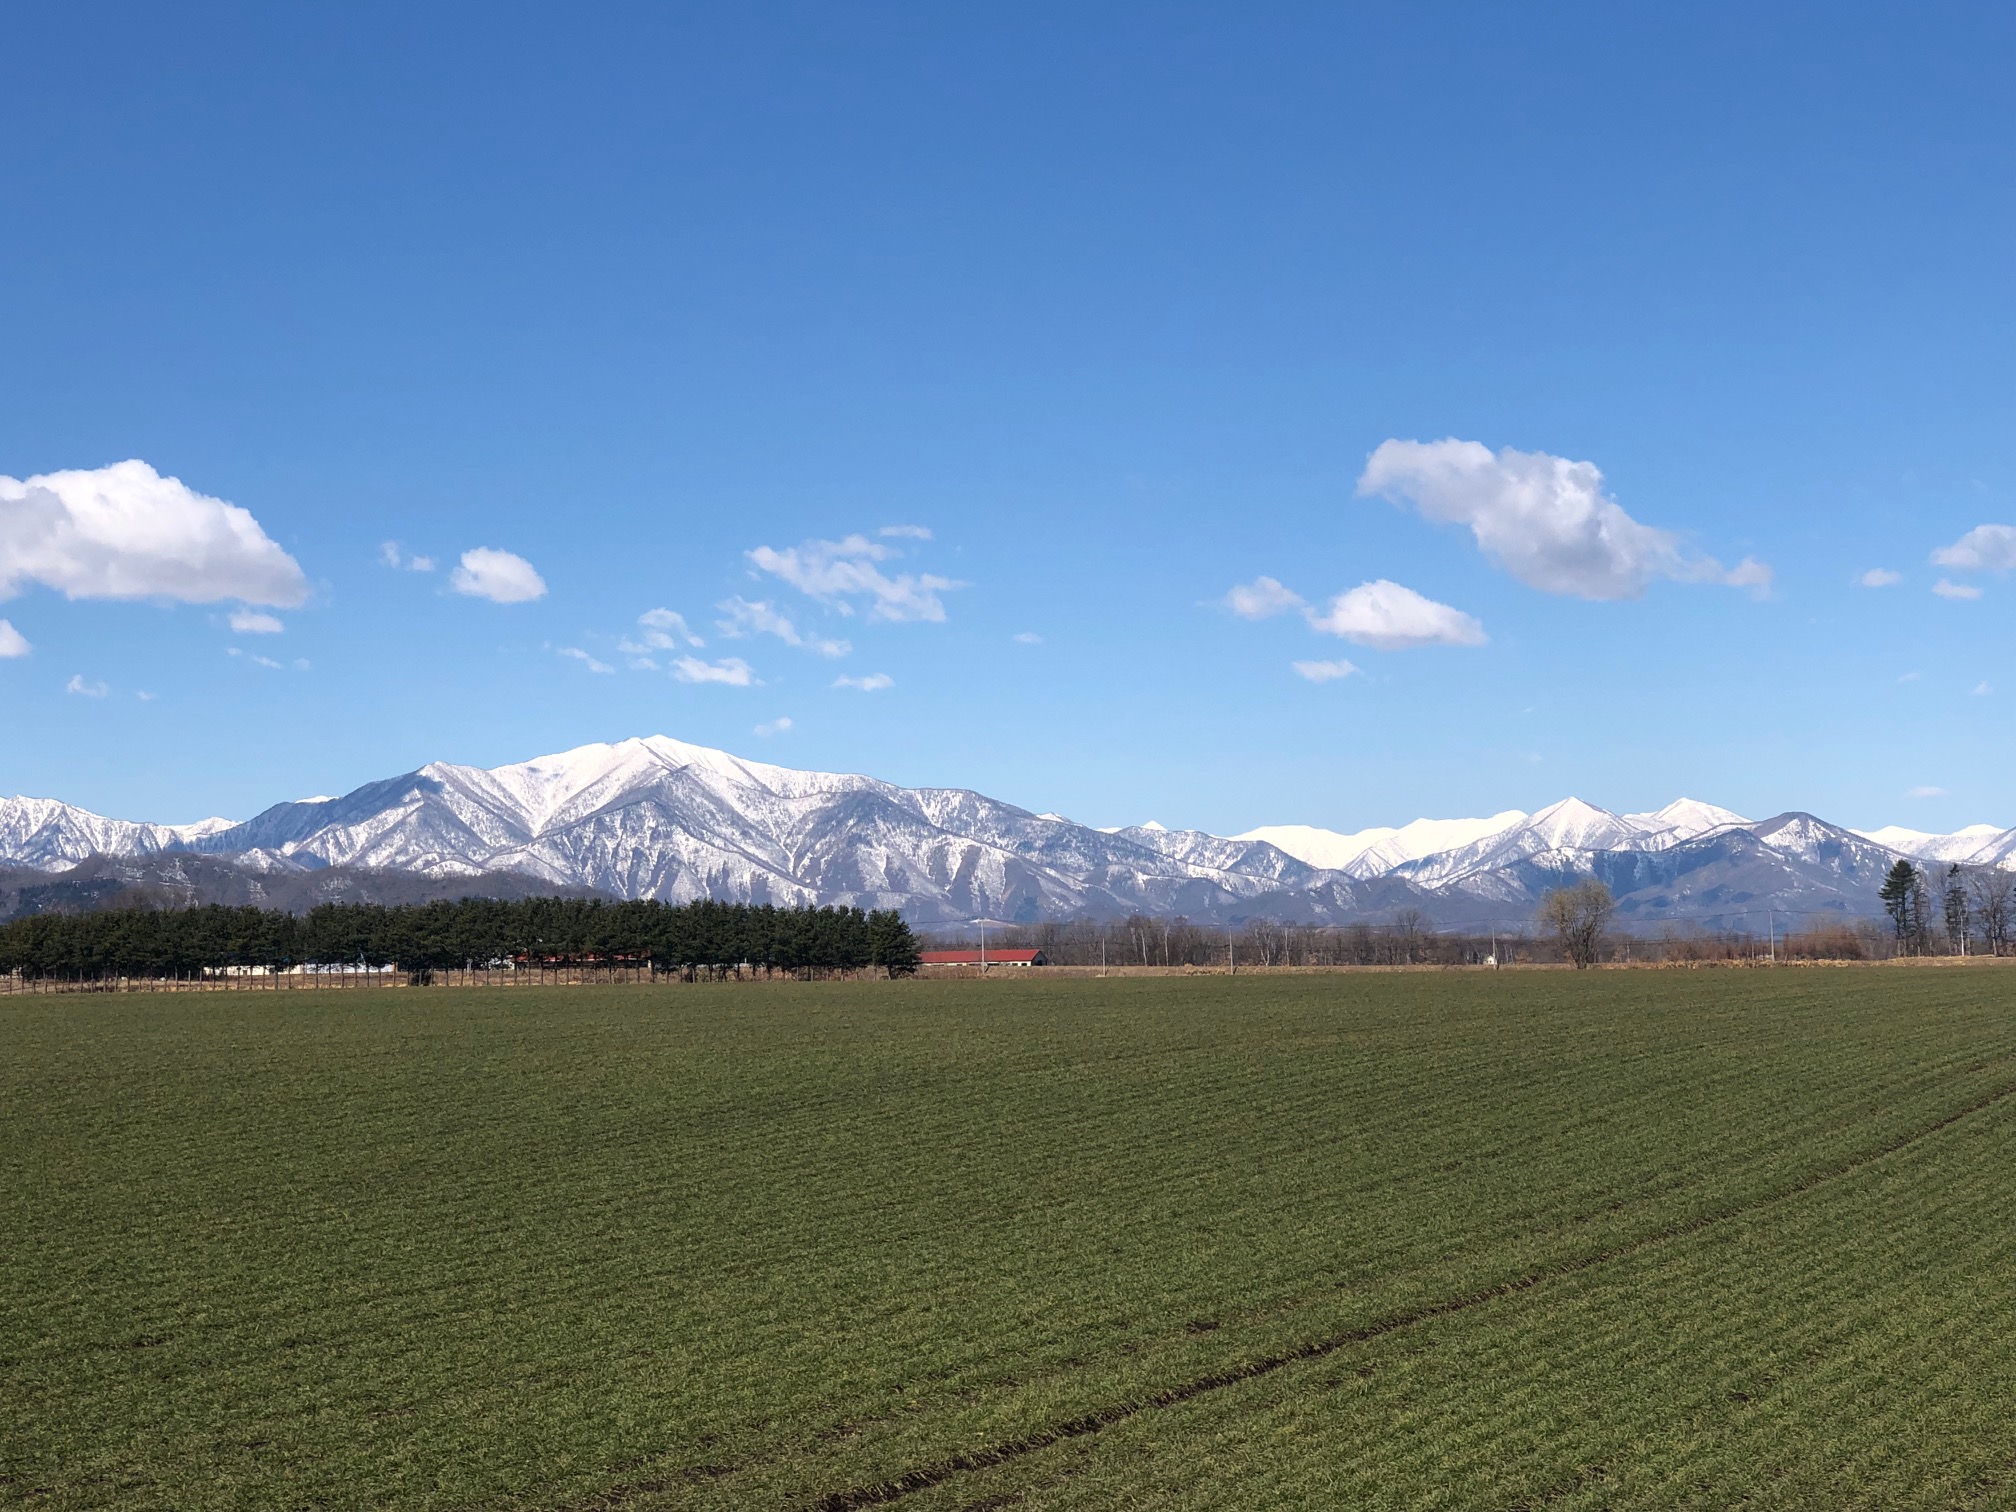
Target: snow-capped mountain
657 817
43 833
1374 852
1976 845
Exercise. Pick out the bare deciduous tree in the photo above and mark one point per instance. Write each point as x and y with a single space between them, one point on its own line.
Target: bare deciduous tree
1988 889
1408 926
1264 943
1577 916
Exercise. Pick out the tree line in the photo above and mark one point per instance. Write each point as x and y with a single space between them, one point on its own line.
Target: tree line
702 936
1959 908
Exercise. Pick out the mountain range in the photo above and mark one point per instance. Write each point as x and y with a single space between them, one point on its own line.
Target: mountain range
656 817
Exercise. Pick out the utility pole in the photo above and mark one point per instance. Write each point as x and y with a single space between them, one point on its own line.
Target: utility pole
1771 928
1231 955
983 947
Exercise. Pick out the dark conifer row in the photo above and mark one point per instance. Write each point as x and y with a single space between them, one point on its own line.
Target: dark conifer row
137 942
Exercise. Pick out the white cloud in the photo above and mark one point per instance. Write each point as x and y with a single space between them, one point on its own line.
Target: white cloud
300 664
1985 548
1389 617
575 653
1910 677
775 727
390 554
12 642
145 697
1982 690
1323 671
834 571
1027 638
1880 577
1948 590
499 576
1749 573
252 622
908 532
746 618
84 689
1544 519
874 682
126 532
1925 792
1261 598
664 630
731 670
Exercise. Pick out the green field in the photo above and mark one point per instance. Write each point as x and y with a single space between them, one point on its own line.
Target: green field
1523 1240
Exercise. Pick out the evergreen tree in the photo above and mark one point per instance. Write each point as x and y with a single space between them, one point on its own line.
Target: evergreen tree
1899 885
1959 921
890 943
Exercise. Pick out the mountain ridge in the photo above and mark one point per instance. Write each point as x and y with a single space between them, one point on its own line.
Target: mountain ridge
653 816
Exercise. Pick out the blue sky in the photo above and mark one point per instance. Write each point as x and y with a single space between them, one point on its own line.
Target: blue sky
1116 303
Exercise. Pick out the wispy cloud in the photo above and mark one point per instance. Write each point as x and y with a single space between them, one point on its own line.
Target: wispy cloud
1262 598
390 554
874 682
776 726
906 532
575 653
85 689
1323 671
252 622
731 670
660 630
1880 577
1026 638
836 572
126 532
1925 792
1957 591
1982 690
1544 519
502 577
763 618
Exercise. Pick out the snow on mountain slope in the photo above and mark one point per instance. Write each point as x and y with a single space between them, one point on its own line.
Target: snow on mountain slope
1969 846
44 833
1687 819
1570 824
657 817
1376 851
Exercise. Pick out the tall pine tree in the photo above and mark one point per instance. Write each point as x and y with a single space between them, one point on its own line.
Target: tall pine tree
1898 894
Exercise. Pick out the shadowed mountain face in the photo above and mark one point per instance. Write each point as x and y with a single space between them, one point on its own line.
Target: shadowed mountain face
181 880
658 818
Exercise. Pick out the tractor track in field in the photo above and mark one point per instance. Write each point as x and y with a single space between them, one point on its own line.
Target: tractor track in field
935 1473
